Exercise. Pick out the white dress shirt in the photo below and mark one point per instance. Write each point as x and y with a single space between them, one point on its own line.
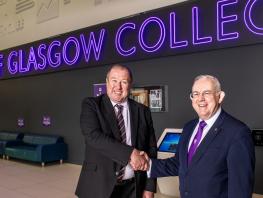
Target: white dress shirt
209 124
128 173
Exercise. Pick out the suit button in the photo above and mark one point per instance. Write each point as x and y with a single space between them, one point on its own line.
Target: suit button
116 173
185 193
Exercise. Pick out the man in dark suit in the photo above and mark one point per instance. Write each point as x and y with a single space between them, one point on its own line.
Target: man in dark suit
215 156
116 131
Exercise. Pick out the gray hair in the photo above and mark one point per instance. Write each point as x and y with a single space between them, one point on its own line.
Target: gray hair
213 78
122 67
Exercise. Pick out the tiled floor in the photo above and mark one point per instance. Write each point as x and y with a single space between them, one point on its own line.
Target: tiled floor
25 180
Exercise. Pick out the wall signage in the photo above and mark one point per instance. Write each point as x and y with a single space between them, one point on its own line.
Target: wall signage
20 122
182 28
46 120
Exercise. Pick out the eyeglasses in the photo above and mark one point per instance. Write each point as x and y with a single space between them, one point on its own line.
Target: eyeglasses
205 94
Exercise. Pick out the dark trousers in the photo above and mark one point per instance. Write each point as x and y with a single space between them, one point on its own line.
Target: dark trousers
125 189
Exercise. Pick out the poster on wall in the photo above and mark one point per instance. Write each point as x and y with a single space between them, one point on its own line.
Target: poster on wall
140 95
99 89
154 97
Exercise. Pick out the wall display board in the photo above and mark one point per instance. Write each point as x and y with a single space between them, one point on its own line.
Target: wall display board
186 27
154 97
99 89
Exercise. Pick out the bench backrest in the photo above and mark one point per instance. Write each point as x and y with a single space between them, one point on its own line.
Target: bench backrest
41 139
7 136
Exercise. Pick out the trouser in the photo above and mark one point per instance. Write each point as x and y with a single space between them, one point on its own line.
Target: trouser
124 189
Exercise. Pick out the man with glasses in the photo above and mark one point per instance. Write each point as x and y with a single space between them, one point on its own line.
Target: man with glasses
215 156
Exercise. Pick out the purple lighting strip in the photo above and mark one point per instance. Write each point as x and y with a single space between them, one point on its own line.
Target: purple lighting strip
92 44
57 62
75 42
155 47
195 29
42 56
237 22
32 59
21 68
119 48
248 19
173 42
221 20
11 64
1 59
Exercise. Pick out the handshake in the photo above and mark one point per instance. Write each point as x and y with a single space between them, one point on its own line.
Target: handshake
139 160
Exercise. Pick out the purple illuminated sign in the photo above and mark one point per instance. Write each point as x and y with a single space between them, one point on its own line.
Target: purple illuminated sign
1 63
195 26
76 47
1 60
20 122
121 30
93 45
248 17
173 42
222 19
197 39
46 120
54 54
159 43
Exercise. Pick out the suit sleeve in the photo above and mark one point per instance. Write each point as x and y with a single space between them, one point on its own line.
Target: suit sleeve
98 139
151 151
241 165
166 167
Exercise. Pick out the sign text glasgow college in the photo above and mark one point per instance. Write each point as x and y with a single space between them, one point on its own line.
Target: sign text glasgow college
182 28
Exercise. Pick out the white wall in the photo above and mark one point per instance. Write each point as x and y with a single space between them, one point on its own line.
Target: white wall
25 21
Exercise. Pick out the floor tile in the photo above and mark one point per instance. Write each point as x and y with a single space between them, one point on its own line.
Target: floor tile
20 179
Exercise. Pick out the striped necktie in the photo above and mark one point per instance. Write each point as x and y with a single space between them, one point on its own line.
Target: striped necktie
121 124
121 127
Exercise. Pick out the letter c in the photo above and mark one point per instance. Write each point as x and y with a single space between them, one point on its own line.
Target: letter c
248 18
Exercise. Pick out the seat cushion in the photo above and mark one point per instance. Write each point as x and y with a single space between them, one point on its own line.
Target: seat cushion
23 152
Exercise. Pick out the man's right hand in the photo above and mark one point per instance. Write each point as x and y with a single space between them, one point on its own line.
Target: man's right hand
139 160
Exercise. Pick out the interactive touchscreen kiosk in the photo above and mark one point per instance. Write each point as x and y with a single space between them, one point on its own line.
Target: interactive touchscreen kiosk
167 145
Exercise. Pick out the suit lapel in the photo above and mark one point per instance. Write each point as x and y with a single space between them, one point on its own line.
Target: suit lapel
188 132
110 116
212 133
134 114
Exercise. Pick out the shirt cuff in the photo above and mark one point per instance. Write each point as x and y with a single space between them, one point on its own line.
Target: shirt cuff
150 168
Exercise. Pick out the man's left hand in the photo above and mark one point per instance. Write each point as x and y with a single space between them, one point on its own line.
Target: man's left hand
147 194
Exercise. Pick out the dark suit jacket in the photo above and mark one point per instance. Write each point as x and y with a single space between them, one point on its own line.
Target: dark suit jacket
222 167
104 154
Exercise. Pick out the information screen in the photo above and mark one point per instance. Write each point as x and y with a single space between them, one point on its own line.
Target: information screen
169 142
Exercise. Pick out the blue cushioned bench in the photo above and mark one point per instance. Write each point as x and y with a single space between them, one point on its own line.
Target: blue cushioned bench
6 138
38 148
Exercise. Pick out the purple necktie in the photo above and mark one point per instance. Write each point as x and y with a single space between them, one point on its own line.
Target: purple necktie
196 141
121 127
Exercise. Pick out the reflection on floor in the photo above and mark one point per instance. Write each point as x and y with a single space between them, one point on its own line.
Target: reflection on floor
26 180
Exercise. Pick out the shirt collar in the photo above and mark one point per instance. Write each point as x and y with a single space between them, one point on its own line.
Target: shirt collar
124 104
212 120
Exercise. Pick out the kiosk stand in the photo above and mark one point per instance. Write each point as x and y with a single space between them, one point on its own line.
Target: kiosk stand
167 145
